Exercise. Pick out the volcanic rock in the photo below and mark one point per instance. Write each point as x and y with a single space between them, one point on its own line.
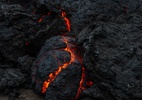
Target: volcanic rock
108 34
112 52
10 78
50 58
82 12
15 29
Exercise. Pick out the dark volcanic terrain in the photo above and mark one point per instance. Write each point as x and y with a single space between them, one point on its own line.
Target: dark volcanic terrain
71 49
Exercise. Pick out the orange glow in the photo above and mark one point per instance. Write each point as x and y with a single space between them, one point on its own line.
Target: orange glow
53 75
68 49
89 83
67 21
73 58
81 87
41 19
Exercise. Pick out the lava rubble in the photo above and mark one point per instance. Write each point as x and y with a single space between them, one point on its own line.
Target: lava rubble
73 58
107 33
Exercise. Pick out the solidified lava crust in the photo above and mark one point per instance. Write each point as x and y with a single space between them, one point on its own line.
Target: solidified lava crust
73 58
40 38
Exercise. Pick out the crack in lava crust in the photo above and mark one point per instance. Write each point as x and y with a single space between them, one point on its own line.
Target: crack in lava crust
67 21
81 87
73 58
53 75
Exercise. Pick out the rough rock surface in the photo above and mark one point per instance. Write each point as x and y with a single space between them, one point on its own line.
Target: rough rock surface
15 29
113 55
10 78
50 58
82 12
109 34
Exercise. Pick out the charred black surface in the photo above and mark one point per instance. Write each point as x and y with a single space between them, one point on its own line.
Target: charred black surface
108 36
113 52
51 56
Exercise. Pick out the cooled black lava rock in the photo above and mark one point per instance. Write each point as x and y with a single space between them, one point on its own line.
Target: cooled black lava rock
65 86
50 58
21 33
111 39
15 1
16 27
10 78
82 12
26 63
113 56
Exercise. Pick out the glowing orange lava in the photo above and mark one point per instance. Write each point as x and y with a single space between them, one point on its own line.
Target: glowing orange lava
53 75
67 21
89 83
40 19
73 58
81 87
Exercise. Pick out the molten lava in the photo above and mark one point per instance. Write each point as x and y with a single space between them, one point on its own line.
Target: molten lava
53 75
67 21
89 83
81 87
40 19
73 58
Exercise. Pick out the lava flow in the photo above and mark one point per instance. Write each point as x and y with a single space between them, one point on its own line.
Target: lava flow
81 87
67 21
40 19
53 75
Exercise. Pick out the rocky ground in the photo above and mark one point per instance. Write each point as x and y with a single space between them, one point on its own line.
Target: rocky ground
105 38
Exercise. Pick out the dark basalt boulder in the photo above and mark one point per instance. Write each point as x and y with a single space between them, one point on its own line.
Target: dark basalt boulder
51 57
109 36
10 78
16 27
112 56
82 12
65 86
21 33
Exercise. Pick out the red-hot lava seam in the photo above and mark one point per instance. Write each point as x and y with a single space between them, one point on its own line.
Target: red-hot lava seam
67 21
89 83
53 75
41 18
81 87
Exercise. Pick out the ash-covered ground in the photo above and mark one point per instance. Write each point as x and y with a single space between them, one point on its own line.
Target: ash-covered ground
96 43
